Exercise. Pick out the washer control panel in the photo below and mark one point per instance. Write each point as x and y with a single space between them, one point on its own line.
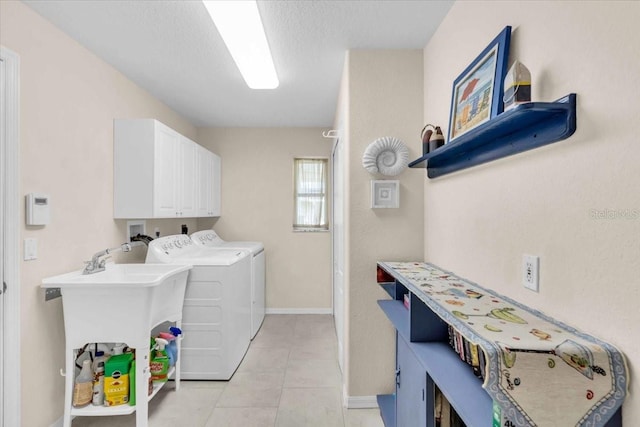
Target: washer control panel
206 238
172 245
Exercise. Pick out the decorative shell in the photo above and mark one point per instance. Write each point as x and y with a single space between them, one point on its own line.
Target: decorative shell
386 155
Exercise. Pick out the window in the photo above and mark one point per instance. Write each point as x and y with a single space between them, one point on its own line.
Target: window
310 182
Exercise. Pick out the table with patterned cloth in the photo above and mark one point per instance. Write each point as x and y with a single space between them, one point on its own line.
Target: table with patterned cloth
541 372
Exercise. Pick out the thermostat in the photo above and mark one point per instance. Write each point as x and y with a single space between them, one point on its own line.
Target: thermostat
37 209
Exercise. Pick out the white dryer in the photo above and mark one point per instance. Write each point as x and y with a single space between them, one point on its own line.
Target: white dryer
216 318
210 239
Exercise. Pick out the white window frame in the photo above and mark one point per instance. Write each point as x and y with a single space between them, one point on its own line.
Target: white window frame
327 172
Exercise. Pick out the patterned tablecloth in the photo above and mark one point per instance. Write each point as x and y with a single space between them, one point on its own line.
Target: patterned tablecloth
540 371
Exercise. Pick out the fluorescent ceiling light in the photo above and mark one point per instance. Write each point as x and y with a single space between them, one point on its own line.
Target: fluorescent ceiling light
241 29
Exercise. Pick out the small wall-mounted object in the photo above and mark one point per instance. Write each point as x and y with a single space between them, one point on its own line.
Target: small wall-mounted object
387 156
385 194
37 209
332 134
52 293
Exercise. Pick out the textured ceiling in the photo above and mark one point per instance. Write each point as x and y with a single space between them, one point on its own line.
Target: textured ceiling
173 50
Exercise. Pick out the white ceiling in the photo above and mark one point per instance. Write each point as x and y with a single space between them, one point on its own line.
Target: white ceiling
173 50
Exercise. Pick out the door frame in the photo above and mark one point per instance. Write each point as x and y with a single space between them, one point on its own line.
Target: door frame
334 170
11 247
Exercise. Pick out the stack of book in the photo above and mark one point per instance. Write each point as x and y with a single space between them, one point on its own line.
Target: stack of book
469 352
445 415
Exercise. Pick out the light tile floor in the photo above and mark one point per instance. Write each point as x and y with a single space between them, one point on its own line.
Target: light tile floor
288 378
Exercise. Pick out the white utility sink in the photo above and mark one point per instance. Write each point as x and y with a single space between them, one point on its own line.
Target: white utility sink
117 275
105 306
120 304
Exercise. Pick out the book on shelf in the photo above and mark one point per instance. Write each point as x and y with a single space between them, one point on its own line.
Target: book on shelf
445 414
483 361
475 359
469 352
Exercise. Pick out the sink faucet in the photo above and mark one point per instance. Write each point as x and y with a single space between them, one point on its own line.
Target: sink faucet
97 264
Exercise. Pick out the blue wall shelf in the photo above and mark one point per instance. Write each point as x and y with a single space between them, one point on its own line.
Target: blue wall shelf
523 128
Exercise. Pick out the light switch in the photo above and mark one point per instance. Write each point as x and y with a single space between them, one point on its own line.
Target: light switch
30 249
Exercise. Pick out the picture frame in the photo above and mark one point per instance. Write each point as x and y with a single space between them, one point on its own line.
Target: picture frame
477 93
385 194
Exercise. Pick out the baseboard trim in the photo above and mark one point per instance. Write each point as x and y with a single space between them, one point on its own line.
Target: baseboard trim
299 311
58 423
361 402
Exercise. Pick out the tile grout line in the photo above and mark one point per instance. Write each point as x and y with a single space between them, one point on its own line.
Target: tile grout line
284 375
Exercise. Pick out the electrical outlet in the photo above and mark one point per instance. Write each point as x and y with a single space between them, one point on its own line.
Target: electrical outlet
531 272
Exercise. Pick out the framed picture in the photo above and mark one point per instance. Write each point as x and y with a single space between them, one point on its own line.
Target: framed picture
385 194
477 92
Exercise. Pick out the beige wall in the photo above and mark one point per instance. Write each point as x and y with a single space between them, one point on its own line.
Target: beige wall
383 98
257 204
481 221
68 101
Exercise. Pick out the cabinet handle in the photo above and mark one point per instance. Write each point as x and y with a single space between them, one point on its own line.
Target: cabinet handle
423 395
398 377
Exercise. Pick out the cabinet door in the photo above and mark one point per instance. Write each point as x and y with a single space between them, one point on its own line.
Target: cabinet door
216 188
166 173
205 175
411 388
187 178
208 198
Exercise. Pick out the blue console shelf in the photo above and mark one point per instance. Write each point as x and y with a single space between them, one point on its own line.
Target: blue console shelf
439 318
523 128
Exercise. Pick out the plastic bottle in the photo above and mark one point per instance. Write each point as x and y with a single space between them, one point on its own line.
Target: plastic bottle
118 348
172 347
159 365
83 388
176 332
169 349
98 378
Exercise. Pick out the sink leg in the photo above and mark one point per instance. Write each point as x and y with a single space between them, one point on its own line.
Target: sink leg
142 385
178 353
68 386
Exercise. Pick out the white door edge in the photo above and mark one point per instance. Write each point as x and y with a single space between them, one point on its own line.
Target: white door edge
11 249
336 303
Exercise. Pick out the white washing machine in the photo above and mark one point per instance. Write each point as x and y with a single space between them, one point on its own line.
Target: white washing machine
209 238
216 317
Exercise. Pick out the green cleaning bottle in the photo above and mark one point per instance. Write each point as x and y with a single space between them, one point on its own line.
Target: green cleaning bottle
159 365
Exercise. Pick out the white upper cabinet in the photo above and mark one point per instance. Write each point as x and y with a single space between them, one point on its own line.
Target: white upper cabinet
209 183
188 179
157 173
216 185
165 169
